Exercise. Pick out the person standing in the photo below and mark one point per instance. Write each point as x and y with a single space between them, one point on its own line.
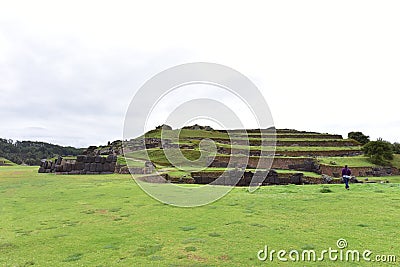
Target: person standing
346 172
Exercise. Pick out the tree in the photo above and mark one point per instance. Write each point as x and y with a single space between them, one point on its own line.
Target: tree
359 136
379 152
396 148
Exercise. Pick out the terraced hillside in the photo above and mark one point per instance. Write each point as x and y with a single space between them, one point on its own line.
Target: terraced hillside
296 156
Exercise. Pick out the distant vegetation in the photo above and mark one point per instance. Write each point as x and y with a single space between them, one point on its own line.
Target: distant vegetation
30 153
359 136
380 152
396 148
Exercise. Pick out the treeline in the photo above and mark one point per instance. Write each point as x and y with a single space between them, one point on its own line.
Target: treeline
30 152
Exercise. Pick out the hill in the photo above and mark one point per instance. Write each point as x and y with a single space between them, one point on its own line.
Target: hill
31 153
310 153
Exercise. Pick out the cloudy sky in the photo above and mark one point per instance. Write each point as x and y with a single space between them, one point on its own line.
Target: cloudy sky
69 69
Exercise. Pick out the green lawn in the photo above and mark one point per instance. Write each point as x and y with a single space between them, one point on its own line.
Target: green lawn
357 161
308 174
107 220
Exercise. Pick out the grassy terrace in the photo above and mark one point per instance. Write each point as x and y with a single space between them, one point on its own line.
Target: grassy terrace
357 161
187 133
157 155
187 140
292 148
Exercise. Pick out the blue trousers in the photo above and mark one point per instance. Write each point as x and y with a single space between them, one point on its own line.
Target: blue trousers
346 179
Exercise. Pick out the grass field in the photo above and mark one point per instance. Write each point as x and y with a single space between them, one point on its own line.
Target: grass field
107 220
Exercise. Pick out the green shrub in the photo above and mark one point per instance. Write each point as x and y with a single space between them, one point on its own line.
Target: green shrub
379 152
396 148
359 137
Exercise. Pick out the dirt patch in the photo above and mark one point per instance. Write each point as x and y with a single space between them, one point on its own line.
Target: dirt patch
102 211
196 258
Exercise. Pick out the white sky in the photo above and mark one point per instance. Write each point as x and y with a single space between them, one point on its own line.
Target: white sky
68 69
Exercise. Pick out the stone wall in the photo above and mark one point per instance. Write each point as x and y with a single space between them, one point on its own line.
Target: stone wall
318 153
283 142
278 163
228 178
82 165
321 153
146 169
336 171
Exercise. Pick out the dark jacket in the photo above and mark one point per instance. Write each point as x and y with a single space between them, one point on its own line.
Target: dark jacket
346 171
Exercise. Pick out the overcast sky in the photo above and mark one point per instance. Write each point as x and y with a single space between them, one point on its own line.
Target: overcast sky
69 69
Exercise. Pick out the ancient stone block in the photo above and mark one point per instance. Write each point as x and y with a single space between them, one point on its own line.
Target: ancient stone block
58 161
99 167
80 166
106 167
92 167
80 158
97 159
87 166
112 166
68 167
296 178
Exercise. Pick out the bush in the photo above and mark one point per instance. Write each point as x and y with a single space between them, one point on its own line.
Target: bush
359 137
379 152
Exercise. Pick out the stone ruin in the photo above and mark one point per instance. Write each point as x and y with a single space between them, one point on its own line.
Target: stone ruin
82 165
228 178
148 168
